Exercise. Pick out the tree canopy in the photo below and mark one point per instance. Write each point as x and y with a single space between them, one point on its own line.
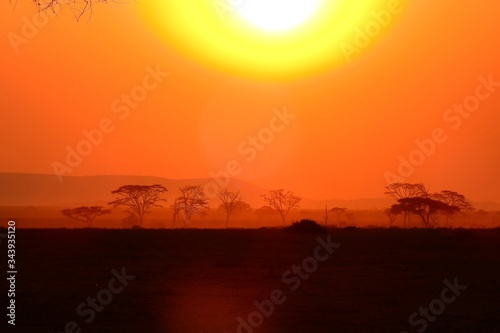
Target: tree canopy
85 214
416 199
138 199
191 201
282 202
231 202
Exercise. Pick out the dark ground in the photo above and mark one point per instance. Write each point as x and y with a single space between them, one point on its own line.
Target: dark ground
202 280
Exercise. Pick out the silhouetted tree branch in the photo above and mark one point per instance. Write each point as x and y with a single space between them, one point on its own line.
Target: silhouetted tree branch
455 199
282 201
231 202
391 215
78 7
400 191
192 201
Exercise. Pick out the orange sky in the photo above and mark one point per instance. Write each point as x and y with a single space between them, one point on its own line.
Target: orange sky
348 123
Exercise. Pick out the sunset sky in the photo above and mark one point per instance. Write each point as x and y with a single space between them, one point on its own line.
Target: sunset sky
327 109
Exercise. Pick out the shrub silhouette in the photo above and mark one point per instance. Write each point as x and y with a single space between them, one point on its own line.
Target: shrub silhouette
306 226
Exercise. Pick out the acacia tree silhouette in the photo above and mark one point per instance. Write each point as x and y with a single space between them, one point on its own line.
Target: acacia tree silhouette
85 214
455 199
415 199
282 201
338 211
138 199
191 201
400 191
231 202
391 215
176 209
427 208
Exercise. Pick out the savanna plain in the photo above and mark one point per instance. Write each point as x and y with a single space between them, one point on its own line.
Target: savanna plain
258 280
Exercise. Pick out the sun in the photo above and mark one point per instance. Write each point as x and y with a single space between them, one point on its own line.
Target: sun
277 15
272 40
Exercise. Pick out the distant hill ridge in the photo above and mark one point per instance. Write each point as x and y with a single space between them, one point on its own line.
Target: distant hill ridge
20 189
41 190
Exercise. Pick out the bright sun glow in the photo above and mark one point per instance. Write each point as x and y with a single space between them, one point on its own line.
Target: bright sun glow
277 15
272 39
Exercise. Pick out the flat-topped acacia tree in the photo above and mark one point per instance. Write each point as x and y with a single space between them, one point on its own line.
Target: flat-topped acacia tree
453 199
138 199
338 211
426 208
399 191
417 200
85 214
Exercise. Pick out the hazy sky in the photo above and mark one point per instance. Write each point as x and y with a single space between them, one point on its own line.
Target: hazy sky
197 107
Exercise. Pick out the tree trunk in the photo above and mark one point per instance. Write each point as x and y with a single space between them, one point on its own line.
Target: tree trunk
140 217
424 221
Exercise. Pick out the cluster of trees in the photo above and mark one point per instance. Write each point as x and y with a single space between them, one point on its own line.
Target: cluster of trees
192 200
415 199
411 199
